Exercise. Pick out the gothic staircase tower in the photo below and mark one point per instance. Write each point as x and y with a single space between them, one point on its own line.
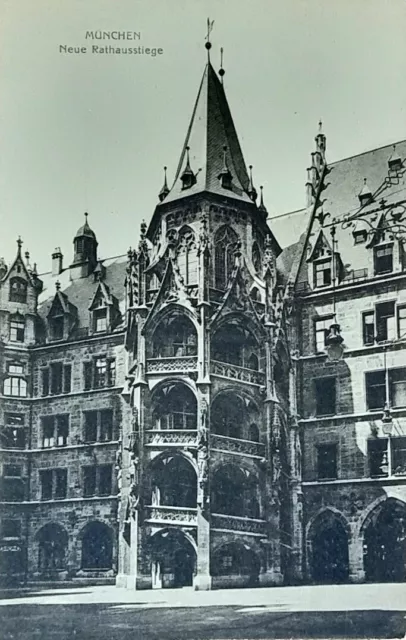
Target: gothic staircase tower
200 472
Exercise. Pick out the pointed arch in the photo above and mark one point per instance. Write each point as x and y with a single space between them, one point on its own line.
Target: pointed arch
327 545
186 256
225 241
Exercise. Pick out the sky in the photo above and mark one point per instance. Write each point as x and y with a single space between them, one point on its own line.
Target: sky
92 132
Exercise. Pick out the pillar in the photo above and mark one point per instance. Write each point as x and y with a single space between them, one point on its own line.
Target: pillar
356 557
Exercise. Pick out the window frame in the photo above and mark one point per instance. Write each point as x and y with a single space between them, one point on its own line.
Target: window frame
316 264
318 319
17 333
334 396
333 446
383 247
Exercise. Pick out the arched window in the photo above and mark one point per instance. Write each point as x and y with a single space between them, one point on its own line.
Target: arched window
255 295
224 247
256 257
97 546
175 408
175 337
18 290
186 255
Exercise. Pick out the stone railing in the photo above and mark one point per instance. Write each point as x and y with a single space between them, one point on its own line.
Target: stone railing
180 364
176 515
237 523
235 372
235 445
175 437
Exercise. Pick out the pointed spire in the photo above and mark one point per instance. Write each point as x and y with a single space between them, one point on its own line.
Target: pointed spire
252 192
164 191
225 175
188 178
221 70
365 195
262 206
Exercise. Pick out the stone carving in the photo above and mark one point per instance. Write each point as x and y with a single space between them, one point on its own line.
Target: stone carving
223 443
173 514
182 364
237 373
203 457
132 278
178 437
234 523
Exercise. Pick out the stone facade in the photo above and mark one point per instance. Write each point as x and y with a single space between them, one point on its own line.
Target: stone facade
224 405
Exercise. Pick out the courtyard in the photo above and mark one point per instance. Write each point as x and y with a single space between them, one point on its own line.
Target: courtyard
344 611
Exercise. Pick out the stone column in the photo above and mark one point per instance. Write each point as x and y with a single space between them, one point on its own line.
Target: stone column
202 581
356 557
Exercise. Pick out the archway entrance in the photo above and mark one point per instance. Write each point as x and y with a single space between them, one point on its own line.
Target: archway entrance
385 543
173 560
52 548
329 550
97 546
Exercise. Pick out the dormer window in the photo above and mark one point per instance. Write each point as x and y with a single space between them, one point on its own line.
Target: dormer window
383 259
100 319
57 327
360 236
17 328
322 273
18 290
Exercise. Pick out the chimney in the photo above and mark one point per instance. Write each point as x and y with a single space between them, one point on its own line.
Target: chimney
57 259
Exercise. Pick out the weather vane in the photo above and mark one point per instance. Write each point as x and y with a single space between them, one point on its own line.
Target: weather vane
210 24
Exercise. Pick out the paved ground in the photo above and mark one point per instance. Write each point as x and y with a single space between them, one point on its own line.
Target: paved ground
90 613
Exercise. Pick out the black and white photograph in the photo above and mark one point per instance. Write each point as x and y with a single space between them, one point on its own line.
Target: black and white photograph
202 319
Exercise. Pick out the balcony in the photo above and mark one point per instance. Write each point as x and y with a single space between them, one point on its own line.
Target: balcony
171 437
235 445
180 364
171 515
234 372
237 523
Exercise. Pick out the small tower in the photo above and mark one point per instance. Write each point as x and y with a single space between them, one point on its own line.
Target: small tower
85 251
165 190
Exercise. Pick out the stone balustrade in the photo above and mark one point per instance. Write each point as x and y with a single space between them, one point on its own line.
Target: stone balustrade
234 372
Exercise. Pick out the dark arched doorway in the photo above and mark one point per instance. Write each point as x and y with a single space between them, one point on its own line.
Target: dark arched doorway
329 550
52 548
97 546
385 543
173 560
174 406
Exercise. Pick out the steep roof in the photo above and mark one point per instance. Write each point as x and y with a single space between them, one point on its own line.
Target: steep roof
211 129
343 184
81 292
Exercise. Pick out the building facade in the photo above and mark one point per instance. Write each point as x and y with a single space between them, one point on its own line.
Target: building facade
224 405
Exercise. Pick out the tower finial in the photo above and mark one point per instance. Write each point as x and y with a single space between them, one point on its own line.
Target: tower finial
165 190
221 70
210 24
320 126
252 192
86 216
19 245
262 206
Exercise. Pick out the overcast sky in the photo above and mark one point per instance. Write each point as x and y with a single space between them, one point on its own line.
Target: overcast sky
92 132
